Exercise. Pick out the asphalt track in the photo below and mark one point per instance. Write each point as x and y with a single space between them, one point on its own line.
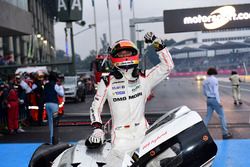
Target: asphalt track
16 150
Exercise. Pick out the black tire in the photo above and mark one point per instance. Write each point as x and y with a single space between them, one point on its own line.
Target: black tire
47 153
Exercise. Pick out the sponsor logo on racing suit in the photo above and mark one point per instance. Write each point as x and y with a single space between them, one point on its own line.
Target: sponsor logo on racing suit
135 95
116 82
118 87
136 88
125 98
119 93
119 99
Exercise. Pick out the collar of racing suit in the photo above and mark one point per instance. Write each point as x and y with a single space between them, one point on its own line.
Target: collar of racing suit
127 73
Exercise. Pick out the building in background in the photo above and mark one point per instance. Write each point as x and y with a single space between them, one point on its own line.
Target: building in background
225 49
26 32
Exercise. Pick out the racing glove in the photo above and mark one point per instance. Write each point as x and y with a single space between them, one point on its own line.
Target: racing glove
98 136
158 44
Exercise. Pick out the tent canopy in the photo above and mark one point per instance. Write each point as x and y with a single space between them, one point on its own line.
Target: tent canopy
233 45
31 69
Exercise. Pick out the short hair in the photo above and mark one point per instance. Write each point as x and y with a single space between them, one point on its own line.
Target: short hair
212 71
53 76
234 72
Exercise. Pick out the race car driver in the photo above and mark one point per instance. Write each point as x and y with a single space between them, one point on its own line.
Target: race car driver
126 90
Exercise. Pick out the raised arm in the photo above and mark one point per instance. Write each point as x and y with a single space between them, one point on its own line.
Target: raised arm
163 69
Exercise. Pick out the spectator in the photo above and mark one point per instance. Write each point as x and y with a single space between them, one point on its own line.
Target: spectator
90 86
11 80
9 58
24 85
61 99
13 109
211 91
23 89
32 103
3 104
51 92
39 92
235 80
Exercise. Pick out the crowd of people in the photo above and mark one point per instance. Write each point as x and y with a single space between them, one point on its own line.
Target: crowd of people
22 99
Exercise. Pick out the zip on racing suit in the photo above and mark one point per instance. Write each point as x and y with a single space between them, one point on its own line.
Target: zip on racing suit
127 97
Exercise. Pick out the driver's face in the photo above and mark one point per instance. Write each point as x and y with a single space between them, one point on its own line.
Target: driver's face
124 53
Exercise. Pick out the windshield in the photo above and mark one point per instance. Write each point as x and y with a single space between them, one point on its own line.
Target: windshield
163 119
70 80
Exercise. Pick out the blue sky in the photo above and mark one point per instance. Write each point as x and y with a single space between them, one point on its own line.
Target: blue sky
85 41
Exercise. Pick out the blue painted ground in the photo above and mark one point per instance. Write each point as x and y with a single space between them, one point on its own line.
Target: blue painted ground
231 153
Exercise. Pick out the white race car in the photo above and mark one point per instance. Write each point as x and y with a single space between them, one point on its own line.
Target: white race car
177 139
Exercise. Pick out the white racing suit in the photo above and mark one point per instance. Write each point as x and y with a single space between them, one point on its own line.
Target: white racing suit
127 99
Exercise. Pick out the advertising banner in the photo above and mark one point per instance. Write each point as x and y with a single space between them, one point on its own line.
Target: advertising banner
206 19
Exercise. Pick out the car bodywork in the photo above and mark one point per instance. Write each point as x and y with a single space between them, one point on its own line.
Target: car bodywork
177 139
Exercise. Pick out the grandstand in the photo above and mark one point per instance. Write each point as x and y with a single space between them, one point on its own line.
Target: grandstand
194 57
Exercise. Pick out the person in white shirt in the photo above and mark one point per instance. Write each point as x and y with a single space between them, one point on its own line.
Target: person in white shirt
211 91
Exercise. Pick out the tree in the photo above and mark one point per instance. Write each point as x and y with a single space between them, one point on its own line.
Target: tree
61 56
86 63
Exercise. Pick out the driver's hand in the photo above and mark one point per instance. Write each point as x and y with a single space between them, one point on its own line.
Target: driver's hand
98 136
158 44
149 37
